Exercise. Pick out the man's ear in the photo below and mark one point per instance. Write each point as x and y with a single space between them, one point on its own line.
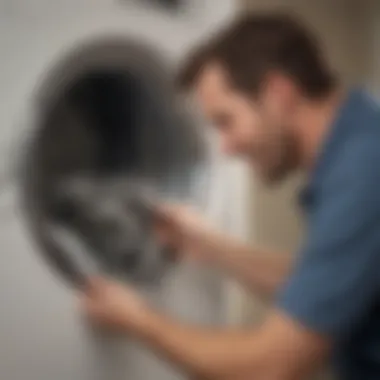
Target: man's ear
279 86
279 94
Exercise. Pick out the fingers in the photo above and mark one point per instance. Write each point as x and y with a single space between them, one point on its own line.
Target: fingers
87 307
166 224
165 212
86 303
171 212
95 286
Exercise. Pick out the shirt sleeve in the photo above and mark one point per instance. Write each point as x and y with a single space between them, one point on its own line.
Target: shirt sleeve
336 278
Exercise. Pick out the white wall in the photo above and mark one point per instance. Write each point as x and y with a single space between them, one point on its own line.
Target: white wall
376 49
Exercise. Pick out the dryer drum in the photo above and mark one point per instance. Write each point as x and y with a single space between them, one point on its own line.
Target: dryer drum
109 136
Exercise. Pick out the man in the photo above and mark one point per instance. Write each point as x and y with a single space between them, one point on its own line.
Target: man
267 89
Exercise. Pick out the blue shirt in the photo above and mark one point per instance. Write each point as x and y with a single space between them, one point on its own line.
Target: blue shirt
334 289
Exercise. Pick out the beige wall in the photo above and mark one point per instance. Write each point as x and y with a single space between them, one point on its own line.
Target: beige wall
375 83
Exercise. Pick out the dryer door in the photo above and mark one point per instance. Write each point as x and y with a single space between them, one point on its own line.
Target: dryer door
110 138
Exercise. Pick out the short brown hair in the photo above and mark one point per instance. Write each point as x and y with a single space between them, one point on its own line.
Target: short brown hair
255 44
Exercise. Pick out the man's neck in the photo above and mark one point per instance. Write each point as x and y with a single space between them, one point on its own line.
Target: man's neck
313 123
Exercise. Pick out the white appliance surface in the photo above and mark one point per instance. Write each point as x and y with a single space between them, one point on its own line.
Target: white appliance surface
41 334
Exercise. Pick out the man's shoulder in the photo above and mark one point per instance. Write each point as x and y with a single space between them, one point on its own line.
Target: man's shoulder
357 156
350 159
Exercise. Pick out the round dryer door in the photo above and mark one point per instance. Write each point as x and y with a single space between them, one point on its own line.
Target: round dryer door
109 138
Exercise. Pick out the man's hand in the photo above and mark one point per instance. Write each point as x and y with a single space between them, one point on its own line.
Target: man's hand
184 229
114 306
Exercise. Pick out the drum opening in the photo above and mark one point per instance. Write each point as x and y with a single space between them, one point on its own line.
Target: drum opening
108 118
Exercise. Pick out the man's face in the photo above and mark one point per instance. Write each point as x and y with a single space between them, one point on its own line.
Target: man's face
255 129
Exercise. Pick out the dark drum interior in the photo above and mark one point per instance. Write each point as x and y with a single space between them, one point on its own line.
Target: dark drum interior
109 125
110 103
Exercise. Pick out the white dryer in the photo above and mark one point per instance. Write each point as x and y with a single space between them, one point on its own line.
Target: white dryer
76 73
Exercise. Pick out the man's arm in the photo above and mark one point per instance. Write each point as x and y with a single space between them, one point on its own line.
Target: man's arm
188 233
262 271
279 350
